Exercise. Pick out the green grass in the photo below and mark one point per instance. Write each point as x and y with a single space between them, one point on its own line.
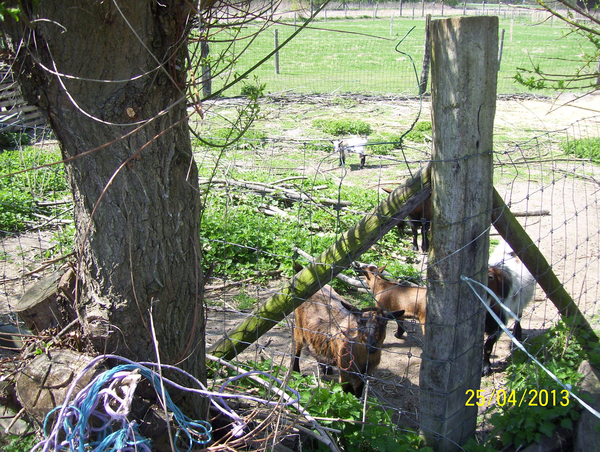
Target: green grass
241 240
351 56
584 148
22 186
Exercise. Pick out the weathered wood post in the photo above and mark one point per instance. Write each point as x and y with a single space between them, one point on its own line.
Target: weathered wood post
206 71
463 89
276 51
426 57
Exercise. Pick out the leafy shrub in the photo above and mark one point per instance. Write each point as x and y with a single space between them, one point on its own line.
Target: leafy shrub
583 148
22 183
341 127
253 91
522 423
12 140
418 133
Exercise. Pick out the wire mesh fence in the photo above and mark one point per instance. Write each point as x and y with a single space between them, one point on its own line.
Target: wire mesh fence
379 50
270 198
552 192
280 195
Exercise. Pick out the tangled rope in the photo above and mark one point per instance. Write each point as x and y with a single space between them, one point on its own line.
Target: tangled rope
97 417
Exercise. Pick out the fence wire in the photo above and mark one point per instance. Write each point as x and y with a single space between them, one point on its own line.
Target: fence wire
299 200
280 195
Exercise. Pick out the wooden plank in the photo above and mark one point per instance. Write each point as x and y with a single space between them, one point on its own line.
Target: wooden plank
15 113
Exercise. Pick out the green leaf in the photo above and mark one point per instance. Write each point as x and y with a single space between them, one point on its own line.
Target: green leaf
547 428
506 438
566 423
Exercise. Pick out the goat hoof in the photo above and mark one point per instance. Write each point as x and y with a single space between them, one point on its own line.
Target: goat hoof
486 371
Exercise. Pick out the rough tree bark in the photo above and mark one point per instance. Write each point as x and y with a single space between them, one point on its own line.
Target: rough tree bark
110 76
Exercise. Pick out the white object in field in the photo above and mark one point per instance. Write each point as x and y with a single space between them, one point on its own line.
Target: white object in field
356 144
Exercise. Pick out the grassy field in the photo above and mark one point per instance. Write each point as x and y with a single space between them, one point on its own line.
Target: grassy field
370 56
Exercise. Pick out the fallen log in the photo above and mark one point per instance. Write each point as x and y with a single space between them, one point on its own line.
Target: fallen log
43 383
48 303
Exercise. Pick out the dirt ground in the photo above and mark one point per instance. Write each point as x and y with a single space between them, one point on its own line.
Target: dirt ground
568 237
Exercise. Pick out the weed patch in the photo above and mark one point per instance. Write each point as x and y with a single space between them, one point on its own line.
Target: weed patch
343 127
584 148
23 184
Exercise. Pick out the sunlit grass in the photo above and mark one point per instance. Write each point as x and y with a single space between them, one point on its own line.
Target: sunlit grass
351 56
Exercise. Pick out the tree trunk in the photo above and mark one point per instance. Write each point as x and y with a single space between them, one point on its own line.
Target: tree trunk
111 79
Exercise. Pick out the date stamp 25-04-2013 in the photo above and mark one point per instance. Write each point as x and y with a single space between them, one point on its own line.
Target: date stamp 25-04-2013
531 397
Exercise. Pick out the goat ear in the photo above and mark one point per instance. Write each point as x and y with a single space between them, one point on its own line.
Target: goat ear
350 307
381 269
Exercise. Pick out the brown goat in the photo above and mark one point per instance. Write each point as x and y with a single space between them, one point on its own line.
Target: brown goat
392 296
421 216
342 335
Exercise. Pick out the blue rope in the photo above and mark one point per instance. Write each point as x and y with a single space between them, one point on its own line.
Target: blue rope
77 429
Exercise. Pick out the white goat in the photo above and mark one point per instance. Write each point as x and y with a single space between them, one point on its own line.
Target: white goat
353 144
510 280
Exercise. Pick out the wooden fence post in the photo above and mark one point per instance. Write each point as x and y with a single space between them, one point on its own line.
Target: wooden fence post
276 51
206 71
426 57
463 90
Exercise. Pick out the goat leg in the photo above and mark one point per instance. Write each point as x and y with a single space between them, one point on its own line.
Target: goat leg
401 330
517 331
325 369
425 232
487 352
415 232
